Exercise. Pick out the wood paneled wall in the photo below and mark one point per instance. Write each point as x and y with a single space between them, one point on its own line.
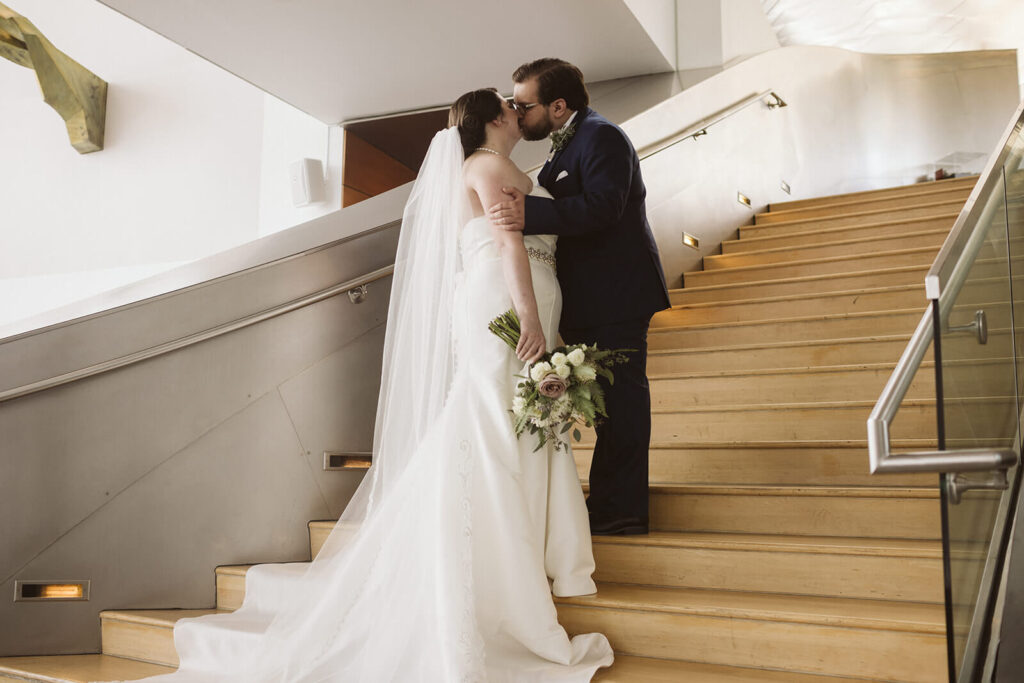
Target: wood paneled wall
368 171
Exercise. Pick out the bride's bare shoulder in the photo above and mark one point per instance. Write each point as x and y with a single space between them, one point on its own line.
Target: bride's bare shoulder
494 169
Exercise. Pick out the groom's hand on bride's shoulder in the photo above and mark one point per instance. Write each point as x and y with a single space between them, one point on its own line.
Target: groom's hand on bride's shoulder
509 214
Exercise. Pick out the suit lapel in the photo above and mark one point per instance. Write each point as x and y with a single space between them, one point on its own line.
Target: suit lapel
549 166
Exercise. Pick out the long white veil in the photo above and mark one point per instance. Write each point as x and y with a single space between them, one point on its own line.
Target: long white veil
299 624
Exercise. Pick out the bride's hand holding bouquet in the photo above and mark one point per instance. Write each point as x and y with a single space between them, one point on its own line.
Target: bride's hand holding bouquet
562 388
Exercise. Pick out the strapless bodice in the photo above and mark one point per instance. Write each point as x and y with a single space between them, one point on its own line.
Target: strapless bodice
477 242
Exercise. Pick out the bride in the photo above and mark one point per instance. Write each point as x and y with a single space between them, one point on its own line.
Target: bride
438 569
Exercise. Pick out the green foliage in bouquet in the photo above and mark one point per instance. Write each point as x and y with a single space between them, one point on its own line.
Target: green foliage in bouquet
562 387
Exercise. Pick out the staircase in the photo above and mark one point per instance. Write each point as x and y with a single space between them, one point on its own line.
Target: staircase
773 555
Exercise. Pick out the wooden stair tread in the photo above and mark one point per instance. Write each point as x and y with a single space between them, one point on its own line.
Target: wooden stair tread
918 197
800 278
155 617
780 345
904 190
823 259
78 668
827 245
837 294
795 491
635 669
791 319
835 545
822 611
949 209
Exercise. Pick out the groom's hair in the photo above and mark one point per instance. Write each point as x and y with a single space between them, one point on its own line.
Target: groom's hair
556 78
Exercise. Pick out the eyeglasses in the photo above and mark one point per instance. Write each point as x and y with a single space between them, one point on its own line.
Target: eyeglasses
521 107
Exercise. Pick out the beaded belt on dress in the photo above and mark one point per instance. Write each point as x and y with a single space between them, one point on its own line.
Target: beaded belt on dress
541 256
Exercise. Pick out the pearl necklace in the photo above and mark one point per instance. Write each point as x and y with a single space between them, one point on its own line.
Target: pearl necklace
488 149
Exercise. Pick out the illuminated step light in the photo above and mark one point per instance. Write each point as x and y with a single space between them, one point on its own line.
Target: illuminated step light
743 199
691 241
785 187
34 591
347 461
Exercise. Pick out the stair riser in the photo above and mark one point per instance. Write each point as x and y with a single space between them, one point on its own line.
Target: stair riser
853 385
764 571
811 355
798 466
798 515
821 329
850 219
777 216
888 655
790 424
830 250
778 271
145 642
883 193
819 285
772 237
826 304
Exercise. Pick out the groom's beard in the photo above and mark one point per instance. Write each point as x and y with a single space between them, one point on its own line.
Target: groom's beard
537 131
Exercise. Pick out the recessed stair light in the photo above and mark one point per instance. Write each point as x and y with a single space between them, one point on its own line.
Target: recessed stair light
347 461
743 199
691 240
36 591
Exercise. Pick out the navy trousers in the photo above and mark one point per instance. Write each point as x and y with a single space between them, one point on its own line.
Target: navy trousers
619 469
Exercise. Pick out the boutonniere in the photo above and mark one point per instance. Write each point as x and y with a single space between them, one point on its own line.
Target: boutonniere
560 138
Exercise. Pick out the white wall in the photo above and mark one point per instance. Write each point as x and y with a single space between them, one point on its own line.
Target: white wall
290 135
195 162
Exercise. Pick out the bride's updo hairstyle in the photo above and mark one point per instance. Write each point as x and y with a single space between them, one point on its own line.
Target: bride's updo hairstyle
471 113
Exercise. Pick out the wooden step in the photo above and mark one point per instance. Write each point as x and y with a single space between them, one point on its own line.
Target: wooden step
77 669
840 248
793 463
797 328
632 669
876 512
882 569
793 385
840 207
851 511
892 641
830 265
888 277
794 421
145 635
792 354
753 238
768 308
882 193
861 218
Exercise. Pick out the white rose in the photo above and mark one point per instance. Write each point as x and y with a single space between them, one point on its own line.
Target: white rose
585 373
558 359
518 403
576 357
563 371
538 371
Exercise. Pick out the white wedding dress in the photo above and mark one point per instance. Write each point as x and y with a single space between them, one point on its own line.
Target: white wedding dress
447 580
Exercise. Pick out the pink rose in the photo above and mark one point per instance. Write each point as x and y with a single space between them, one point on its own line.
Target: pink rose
552 386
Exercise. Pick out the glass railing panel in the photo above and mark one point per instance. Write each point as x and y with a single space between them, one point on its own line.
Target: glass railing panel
978 404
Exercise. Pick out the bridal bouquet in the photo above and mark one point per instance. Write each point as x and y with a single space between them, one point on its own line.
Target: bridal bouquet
562 388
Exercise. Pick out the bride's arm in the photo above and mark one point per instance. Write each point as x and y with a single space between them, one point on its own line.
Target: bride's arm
486 176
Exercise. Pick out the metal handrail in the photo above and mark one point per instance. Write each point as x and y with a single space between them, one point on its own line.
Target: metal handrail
700 128
197 337
944 280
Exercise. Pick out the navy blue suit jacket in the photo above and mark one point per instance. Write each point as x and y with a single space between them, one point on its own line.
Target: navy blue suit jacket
608 263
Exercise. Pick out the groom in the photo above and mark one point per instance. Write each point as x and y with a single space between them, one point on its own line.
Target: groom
608 267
